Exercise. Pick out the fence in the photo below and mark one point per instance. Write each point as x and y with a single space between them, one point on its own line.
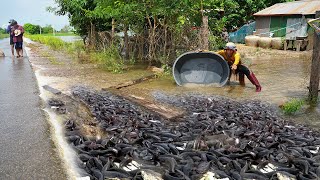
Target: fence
239 35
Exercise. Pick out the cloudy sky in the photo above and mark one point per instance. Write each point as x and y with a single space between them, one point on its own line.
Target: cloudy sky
30 11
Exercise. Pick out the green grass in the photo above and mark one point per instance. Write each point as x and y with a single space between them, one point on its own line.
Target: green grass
2 36
292 106
109 58
59 34
53 42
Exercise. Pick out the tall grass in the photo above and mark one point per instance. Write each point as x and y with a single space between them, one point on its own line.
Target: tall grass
2 36
109 58
53 42
59 34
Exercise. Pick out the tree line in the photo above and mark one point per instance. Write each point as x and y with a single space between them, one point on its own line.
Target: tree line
37 29
156 30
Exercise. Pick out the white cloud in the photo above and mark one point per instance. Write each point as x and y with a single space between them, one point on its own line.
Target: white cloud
31 11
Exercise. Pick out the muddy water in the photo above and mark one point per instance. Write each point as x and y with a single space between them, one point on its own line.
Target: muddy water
27 150
283 76
70 38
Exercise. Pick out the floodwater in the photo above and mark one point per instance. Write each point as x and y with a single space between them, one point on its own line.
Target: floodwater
70 38
27 150
283 75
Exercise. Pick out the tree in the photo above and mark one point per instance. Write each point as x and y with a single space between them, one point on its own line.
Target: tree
2 31
47 29
161 27
81 17
66 29
32 29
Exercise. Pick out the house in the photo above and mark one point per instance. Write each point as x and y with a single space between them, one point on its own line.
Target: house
287 20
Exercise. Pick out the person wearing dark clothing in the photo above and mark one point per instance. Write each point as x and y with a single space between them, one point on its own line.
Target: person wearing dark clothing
8 30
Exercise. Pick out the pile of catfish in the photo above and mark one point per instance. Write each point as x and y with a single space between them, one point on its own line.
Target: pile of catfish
229 139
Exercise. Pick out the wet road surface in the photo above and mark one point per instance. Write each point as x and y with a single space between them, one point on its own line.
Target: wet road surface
26 151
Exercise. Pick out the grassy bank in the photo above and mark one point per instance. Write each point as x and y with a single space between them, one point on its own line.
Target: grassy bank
59 34
52 42
2 36
109 59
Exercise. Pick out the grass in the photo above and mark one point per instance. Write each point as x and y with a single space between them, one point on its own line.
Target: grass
59 34
109 58
52 59
292 106
2 36
52 42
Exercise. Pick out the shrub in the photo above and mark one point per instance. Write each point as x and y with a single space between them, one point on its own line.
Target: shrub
110 59
292 106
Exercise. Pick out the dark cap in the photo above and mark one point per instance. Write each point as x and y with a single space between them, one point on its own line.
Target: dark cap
13 22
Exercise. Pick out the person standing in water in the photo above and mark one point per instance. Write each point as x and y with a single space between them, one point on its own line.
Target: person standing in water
232 56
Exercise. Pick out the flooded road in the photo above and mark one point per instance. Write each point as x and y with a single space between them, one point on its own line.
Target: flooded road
27 150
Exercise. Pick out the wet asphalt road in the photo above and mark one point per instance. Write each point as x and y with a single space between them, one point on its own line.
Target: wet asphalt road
26 151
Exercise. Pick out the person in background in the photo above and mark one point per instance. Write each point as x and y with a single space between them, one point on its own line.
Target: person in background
9 30
18 32
230 54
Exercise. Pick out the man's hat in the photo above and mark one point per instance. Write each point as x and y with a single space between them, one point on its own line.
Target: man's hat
17 32
11 21
231 45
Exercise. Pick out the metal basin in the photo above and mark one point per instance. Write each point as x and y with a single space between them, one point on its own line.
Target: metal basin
201 68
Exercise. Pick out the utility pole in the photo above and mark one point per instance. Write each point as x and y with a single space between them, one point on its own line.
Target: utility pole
315 67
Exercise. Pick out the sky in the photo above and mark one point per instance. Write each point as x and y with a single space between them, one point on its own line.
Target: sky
30 11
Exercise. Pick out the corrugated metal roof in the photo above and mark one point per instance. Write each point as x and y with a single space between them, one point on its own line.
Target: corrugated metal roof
291 8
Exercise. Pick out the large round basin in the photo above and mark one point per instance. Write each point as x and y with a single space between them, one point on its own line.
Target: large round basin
201 68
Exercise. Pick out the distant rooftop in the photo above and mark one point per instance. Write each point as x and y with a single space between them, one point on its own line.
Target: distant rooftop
306 7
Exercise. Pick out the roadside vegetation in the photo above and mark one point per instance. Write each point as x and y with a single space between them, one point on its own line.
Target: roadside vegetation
3 33
4 36
292 106
109 59
155 33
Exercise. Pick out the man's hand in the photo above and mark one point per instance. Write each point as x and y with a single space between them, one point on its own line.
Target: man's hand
234 67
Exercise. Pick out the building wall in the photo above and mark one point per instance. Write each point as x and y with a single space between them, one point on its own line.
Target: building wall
296 27
262 26
278 25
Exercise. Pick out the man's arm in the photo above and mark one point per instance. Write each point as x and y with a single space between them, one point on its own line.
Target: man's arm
221 52
236 59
